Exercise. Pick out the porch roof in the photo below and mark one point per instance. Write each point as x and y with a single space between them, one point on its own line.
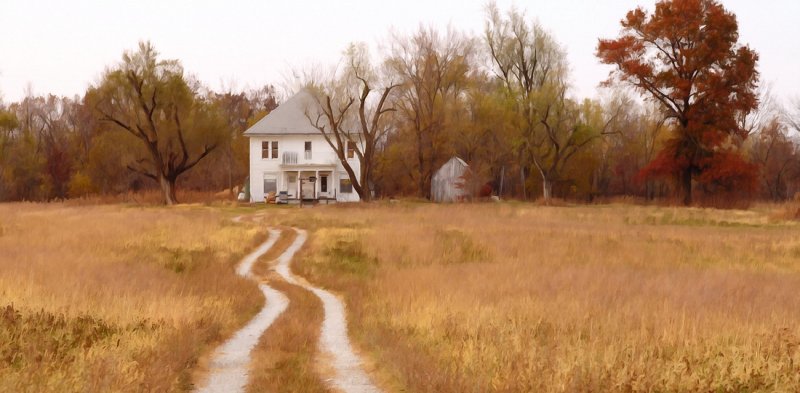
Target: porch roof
307 167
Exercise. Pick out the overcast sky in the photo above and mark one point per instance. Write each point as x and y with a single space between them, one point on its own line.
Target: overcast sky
61 47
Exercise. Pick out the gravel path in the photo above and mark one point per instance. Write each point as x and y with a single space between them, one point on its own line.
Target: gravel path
349 376
229 365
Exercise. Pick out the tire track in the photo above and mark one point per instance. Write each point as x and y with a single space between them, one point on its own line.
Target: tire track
230 362
349 375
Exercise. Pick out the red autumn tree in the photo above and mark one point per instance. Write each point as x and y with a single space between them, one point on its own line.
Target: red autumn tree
686 57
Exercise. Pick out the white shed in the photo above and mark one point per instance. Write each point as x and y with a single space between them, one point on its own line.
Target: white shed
449 183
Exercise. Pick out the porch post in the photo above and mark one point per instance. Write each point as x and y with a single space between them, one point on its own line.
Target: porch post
299 186
316 186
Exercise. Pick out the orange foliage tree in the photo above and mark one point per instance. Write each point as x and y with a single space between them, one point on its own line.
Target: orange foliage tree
686 57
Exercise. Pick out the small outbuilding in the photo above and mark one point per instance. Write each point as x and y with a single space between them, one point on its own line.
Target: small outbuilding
449 183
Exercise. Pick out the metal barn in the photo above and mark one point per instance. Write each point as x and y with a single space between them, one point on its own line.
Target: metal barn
449 183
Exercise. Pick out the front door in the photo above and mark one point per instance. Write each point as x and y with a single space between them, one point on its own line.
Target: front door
323 185
308 189
291 187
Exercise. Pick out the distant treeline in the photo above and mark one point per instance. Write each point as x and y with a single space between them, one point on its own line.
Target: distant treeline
677 118
57 147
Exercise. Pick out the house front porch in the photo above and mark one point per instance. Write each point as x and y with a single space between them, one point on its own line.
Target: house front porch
308 185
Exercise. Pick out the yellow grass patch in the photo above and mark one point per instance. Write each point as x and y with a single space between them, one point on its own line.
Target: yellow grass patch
112 298
515 297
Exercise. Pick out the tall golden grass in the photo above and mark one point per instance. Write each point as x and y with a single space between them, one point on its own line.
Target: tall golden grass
152 197
114 298
515 297
462 298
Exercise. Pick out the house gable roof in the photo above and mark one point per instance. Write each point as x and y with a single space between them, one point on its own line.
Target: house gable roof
289 117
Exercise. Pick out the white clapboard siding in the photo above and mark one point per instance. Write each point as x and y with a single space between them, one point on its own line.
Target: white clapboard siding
449 182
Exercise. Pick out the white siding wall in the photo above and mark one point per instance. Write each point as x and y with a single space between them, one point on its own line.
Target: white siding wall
321 154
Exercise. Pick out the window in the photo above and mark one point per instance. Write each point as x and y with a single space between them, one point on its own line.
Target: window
323 184
308 150
270 183
274 149
264 150
351 149
345 186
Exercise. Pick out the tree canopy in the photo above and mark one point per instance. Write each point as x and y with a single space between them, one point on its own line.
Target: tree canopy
686 57
151 100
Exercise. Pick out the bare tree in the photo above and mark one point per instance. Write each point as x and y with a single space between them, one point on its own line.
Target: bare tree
151 100
352 107
792 115
776 154
434 71
532 69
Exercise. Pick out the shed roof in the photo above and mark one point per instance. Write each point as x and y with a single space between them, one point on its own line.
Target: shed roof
459 160
453 168
289 117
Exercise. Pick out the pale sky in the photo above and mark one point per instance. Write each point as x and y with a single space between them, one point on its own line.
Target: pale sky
61 47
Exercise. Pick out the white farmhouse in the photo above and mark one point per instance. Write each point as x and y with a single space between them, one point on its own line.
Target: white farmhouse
287 153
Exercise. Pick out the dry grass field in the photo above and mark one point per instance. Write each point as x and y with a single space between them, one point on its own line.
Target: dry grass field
113 298
502 297
523 298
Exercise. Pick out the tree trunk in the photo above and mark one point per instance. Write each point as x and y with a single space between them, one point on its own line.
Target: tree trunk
167 190
230 170
502 178
364 180
364 192
421 165
547 189
686 184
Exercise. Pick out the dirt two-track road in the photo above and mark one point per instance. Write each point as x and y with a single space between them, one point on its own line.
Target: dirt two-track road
229 367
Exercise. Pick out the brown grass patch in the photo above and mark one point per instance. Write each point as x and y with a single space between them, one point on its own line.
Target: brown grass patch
152 198
500 297
555 299
112 298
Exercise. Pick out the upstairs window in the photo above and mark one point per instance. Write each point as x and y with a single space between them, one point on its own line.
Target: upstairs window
264 150
308 150
351 149
274 149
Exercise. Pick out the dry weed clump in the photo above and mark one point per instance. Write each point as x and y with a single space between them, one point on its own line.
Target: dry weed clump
113 298
513 297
